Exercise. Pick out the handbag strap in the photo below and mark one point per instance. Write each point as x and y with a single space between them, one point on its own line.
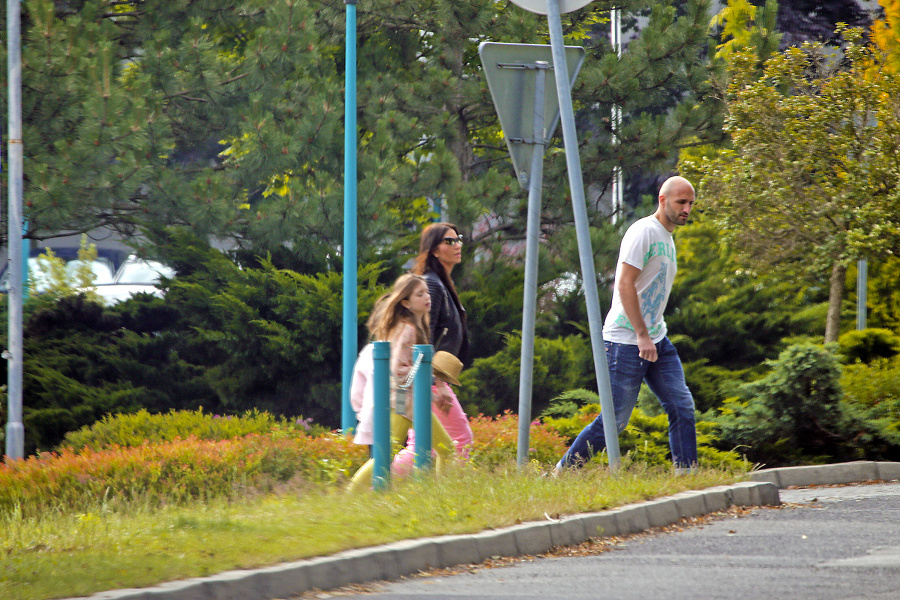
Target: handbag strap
412 372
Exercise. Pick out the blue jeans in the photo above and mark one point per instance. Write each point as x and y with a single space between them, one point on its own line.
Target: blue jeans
665 377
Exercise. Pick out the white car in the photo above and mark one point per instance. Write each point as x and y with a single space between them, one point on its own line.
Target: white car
38 283
135 275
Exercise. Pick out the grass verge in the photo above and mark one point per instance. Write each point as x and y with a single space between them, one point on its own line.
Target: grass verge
60 554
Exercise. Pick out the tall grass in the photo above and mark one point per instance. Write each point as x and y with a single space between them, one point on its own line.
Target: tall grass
61 553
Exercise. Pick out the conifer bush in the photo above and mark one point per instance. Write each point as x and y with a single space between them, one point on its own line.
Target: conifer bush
142 427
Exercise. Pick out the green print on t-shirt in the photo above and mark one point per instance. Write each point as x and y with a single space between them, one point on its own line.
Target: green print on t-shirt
660 249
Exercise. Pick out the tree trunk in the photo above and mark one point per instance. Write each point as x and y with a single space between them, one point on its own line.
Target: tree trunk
835 299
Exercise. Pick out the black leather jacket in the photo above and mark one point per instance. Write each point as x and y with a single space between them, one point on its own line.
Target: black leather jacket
448 331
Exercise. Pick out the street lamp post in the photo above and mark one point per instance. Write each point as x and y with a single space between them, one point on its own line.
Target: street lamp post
349 346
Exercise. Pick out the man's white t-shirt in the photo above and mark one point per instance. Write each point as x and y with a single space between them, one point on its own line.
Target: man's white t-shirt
648 246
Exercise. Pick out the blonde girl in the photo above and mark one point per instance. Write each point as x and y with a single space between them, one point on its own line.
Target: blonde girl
401 318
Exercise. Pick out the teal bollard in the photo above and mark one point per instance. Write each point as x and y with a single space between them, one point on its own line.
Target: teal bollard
422 405
381 426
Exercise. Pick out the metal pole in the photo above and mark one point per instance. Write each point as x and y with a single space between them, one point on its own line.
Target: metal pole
582 230
862 293
422 405
15 430
532 235
350 347
617 184
381 415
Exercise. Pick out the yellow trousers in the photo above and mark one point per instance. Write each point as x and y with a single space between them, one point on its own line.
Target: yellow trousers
440 441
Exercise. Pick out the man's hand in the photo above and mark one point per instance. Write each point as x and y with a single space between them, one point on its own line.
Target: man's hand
646 348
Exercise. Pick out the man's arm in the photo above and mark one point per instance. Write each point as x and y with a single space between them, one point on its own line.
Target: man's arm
629 297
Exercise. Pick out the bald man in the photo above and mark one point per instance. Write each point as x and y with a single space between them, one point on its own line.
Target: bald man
637 348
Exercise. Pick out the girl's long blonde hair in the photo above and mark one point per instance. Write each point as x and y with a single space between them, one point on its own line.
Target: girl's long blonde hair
389 311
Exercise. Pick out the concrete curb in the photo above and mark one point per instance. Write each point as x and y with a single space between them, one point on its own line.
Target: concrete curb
395 560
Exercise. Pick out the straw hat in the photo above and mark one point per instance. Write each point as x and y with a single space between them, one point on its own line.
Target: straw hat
446 367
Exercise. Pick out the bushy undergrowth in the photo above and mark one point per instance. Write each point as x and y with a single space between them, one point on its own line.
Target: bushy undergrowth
645 439
811 409
496 441
175 471
183 456
142 427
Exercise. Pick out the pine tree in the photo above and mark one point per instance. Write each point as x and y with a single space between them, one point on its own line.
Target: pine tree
227 117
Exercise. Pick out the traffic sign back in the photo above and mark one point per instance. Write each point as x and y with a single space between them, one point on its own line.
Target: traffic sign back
510 72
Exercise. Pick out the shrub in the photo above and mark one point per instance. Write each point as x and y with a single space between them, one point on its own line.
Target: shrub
138 428
872 399
567 404
491 385
172 472
791 415
646 437
496 439
868 344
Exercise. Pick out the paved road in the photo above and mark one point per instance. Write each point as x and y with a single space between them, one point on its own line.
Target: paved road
830 543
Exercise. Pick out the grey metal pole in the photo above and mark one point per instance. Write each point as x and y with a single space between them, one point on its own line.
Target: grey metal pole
582 230
862 278
617 184
15 430
532 235
381 415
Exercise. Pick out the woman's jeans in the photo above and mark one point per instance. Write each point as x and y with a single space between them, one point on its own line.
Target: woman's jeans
665 377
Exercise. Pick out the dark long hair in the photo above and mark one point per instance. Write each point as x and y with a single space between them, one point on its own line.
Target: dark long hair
432 237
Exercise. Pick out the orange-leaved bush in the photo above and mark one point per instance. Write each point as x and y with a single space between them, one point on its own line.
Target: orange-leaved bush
496 440
172 472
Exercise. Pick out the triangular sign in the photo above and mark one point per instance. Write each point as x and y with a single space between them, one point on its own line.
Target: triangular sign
510 73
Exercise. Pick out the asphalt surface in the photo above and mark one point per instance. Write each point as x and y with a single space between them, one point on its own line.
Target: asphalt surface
823 543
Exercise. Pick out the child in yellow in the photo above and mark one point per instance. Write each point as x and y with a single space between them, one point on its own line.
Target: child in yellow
401 318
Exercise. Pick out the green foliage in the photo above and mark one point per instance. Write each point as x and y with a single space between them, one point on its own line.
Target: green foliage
54 281
883 298
793 414
491 385
710 385
265 337
224 338
868 344
568 403
727 314
744 25
129 430
809 182
645 439
173 472
495 441
83 361
872 399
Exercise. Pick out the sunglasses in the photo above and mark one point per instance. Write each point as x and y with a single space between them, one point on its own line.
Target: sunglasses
450 241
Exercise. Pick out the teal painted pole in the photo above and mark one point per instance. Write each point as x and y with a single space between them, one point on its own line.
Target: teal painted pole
862 278
381 417
350 346
422 405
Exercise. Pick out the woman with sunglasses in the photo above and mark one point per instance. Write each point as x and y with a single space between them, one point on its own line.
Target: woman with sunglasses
440 249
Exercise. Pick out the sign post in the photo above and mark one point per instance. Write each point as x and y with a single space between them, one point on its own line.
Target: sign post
528 110
553 9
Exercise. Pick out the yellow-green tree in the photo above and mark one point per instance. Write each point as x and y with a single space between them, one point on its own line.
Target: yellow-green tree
886 34
810 183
